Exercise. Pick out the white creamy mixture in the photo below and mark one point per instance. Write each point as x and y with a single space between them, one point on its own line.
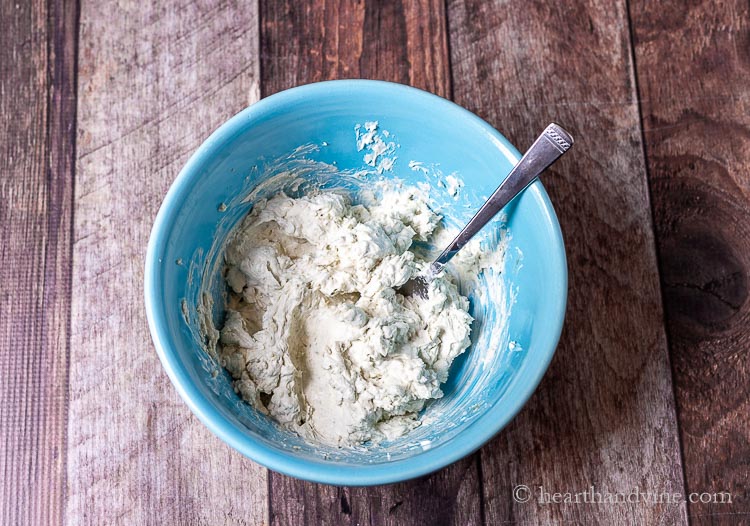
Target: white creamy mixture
315 333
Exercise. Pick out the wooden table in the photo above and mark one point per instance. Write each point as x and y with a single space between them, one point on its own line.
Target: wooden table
102 103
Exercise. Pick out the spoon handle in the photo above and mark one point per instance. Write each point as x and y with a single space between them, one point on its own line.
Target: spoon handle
547 148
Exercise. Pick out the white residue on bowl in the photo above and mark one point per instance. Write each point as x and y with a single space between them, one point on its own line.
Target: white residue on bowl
380 154
418 166
453 185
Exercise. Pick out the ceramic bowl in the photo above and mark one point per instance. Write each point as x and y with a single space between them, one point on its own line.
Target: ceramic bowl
519 308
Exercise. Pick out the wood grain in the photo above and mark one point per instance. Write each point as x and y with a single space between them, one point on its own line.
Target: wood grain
154 80
402 42
604 414
694 78
92 432
37 102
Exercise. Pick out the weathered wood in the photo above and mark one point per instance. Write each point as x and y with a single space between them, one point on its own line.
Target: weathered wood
154 80
401 42
325 40
693 66
37 104
450 496
604 415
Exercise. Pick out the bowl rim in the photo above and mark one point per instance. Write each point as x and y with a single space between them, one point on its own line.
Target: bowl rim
482 429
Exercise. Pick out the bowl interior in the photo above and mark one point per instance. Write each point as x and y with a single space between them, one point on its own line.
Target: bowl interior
311 131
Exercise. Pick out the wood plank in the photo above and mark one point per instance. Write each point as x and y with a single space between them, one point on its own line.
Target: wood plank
37 101
604 415
315 41
401 42
154 80
693 66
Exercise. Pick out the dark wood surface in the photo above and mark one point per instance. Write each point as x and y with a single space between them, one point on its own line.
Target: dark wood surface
694 82
103 102
610 375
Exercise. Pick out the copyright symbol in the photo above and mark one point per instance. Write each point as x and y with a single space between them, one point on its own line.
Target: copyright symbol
521 493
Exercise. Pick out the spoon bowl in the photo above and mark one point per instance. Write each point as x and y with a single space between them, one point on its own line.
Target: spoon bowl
547 148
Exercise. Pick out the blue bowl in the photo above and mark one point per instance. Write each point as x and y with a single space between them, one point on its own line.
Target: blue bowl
519 309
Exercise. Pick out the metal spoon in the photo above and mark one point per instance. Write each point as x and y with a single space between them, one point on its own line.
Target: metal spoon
548 148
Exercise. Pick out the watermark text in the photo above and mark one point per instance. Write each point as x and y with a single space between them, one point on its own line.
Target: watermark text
593 495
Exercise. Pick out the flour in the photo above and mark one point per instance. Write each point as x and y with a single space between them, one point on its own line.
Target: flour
315 334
